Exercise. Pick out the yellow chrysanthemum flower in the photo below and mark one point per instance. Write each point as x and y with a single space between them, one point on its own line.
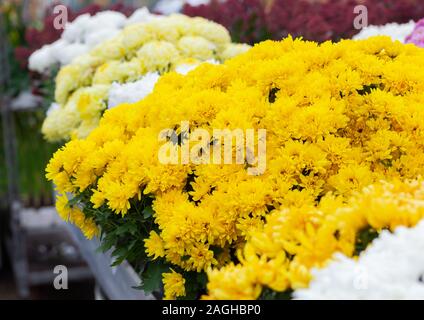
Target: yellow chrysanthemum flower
338 117
174 285
154 246
155 46
282 253
74 215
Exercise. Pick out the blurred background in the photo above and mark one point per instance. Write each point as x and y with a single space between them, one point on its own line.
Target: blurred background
33 240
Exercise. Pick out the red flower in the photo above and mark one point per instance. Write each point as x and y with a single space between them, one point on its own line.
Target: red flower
251 21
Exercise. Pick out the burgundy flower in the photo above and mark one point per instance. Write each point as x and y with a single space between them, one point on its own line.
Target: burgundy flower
252 21
22 54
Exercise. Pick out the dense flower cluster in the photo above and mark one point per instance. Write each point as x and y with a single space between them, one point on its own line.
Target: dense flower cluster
135 91
75 215
295 239
252 21
37 37
338 117
161 45
391 268
83 34
417 35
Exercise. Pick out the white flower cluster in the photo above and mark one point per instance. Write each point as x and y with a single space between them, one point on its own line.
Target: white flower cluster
135 91
83 34
391 268
174 6
395 31
168 43
132 91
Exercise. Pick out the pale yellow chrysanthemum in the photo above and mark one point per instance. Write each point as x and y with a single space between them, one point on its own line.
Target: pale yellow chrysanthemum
197 48
232 50
154 46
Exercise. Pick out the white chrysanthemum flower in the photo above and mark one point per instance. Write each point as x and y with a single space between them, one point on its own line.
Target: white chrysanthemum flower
74 30
172 6
106 19
196 3
92 39
40 60
83 34
83 25
169 6
68 53
395 31
141 15
391 268
25 100
133 91
58 47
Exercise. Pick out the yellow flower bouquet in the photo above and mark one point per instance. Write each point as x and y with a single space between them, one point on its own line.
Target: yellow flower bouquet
338 118
160 45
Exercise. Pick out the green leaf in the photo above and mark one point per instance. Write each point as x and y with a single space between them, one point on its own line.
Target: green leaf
269 294
363 238
122 229
120 254
202 279
132 228
107 244
73 201
147 212
152 276
195 285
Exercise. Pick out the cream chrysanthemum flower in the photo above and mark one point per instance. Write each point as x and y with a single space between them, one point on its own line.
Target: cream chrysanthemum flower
232 50
197 47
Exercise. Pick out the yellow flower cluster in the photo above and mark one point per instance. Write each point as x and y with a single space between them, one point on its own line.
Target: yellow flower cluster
294 240
338 117
74 215
158 46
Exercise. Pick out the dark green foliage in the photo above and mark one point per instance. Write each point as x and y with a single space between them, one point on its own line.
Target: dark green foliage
269 294
363 238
